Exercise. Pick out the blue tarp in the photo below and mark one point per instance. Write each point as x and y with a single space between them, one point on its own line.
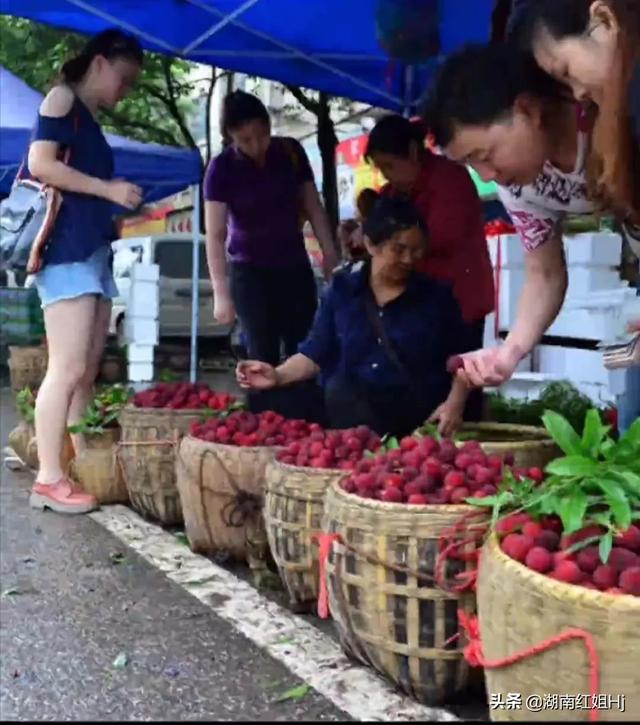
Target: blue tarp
328 45
159 170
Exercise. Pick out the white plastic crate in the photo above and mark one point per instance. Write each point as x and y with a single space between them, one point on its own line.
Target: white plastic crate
511 251
574 364
526 385
585 279
140 331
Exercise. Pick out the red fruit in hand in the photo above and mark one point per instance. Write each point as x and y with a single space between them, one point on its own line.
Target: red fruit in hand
630 581
417 499
568 571
605 577
459 495
392 495
630 539
539 559
517 546
454 363
621 559
588 559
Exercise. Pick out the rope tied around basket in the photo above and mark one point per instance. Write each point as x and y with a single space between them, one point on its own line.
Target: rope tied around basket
474 654
159 442
462 542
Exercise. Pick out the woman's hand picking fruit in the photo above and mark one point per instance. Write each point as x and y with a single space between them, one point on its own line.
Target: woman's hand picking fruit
448 416
255 375
491 366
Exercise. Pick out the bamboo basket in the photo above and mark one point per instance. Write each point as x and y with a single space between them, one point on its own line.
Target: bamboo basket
97 471
386 606
31 450
146 456
294 505
531 446
222 494
27 366
19 438
518 608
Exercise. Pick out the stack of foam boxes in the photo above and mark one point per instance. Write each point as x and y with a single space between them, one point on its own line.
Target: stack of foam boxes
596 307
141 323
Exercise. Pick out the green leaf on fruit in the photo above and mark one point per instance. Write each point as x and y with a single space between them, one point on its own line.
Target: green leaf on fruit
572 510
594 432
295 693
562 433
617 502
606 544
392 444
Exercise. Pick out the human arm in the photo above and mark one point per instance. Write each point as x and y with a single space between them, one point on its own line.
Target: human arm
320 223
216 231
56 128
256 375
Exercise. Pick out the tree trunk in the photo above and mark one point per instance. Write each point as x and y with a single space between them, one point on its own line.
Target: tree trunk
327 143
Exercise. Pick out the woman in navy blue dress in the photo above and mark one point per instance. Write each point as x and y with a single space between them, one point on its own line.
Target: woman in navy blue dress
75 282
382 336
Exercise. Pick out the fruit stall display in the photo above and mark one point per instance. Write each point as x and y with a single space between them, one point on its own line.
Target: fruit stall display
559 578
296 484
151 428
220 471
95 467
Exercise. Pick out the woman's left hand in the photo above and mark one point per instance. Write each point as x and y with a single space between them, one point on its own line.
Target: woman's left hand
448 416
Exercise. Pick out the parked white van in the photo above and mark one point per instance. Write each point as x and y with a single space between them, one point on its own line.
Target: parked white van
173 253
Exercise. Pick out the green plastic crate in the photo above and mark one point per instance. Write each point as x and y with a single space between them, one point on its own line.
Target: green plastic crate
21 317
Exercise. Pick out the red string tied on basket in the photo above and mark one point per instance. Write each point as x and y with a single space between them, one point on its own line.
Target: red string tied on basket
451 546
474 654
325 542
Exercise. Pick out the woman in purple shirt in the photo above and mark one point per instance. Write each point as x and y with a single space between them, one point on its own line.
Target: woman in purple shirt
257 192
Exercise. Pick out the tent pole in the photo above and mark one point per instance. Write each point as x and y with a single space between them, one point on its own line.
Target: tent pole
195 282
407 95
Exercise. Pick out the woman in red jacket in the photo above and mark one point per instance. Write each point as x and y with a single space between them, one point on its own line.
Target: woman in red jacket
448 202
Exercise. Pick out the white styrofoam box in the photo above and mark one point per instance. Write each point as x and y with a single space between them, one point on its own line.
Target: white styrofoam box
140 372
140 353
571 363
585 279
511 252
141 331
144 300
601 395
526 385
593 248
144 273
511 283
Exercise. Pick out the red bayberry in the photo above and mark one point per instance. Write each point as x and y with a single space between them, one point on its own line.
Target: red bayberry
547 539
459 495
392 495
532 529
517 546
454 479
539 559
393 480
417 499
605 576
568 571
621 559
588 559
630 539
630 581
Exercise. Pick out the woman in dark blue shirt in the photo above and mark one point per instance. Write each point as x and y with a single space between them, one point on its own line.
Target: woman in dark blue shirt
75 281
382 336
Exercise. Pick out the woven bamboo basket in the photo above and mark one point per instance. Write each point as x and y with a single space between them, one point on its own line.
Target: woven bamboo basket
146 456
97 471
531 446
27 366
19 438
386 606
222 494
518 608
31 451
293 510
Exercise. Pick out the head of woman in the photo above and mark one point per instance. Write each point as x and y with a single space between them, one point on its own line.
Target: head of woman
108 66
395 238
246 124
396 148
593 47
489 107
581 42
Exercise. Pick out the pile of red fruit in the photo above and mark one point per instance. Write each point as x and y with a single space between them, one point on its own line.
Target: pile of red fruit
183 396
249 429
541 546
423 471
335 449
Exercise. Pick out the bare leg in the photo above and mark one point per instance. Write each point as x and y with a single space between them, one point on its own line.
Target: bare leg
83 393
69 326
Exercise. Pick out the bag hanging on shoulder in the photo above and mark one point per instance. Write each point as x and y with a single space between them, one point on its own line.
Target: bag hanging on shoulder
27 217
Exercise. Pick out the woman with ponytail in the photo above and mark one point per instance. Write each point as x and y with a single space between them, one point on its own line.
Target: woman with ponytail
444 194
75 281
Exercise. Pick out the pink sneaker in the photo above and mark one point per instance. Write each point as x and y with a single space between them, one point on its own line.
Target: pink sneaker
63 497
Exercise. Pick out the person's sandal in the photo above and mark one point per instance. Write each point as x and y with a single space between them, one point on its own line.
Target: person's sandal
63 497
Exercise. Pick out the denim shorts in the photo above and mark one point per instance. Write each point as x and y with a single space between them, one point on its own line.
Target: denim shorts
92 276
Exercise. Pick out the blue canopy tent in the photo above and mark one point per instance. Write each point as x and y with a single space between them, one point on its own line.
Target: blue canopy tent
327 45
159 170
